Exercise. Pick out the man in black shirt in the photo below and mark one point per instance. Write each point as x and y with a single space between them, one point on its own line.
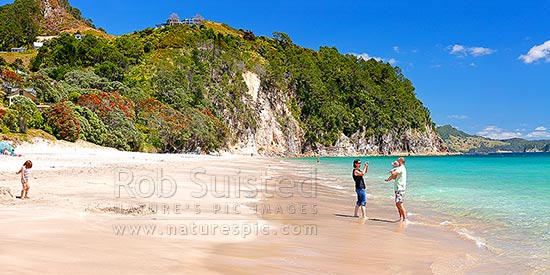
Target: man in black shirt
360 187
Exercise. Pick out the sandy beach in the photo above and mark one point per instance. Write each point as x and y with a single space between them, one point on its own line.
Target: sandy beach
96 210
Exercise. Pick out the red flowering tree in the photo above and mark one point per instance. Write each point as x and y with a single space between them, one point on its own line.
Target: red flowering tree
165 127
62 121
118 115
184 130
10 76
103 103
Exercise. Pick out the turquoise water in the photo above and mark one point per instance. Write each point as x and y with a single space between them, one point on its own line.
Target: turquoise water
500 201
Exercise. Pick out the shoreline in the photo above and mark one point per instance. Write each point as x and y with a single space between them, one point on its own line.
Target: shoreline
480 235
348 245
69 223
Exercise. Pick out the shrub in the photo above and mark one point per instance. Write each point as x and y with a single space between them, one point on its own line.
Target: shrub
25 109
103 103
37 120
165 127
63 121
92 128
109 70
10 119
123 134
10 77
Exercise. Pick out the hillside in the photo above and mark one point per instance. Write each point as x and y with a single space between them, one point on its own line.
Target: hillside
210 87
27 19
459 141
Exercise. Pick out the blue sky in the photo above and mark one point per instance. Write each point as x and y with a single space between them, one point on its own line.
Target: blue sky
481 66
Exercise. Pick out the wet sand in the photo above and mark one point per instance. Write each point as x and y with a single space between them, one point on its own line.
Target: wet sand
258 215
344 244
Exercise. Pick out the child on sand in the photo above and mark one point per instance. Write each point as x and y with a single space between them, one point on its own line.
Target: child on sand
25 179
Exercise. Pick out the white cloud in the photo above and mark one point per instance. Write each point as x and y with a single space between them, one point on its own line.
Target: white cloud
478 51
458 49
396 49
498 133
538 135
458 116
472 64
536 53
463 51
366 56
495 132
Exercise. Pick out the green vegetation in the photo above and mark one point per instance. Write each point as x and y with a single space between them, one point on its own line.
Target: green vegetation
19 23
23 20
181 88
459 141
446 131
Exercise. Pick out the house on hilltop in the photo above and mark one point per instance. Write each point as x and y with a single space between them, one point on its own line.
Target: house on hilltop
174 20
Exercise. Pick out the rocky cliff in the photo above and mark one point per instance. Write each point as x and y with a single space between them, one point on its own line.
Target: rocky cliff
56 17
278 133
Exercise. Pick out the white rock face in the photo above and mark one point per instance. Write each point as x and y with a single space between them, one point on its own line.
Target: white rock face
253 83
277 132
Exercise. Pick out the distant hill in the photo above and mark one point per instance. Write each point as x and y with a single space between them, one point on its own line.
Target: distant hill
461 142
447 131
26 19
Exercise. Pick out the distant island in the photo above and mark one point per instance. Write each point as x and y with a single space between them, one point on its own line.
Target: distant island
460 142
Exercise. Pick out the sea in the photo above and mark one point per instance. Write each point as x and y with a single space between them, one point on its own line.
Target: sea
501 202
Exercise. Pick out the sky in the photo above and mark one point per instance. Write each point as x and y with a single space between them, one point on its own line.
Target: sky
481 66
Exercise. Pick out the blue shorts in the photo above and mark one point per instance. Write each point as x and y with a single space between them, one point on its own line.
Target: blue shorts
361 197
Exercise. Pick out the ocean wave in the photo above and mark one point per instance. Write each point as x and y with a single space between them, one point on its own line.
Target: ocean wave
480 242
335 186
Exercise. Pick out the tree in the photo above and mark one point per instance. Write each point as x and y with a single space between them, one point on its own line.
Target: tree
25 109
62 121
10 119
109 70
92 128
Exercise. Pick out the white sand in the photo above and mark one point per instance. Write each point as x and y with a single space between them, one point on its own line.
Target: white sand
72 223
67 226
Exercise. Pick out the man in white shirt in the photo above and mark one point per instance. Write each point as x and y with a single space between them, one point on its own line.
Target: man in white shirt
399 186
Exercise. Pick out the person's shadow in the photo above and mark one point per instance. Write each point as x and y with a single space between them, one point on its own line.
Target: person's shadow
384 220
345 216
370 219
